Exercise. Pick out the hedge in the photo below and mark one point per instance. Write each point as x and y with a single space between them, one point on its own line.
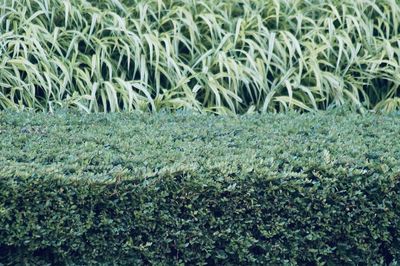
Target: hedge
133 189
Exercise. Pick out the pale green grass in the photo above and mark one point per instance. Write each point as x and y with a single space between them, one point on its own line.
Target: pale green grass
218 56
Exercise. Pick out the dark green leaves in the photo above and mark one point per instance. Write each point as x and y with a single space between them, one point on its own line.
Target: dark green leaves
192 189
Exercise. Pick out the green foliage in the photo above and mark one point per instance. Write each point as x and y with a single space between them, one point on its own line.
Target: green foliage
192 189
213 56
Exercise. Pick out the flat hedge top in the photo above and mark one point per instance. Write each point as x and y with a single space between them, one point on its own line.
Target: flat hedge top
111 147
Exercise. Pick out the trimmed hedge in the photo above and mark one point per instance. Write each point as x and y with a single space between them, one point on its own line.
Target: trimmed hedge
193 189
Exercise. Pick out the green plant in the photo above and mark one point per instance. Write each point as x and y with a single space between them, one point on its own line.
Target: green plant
194 189
226 57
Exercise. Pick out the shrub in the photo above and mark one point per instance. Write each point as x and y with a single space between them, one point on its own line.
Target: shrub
194 189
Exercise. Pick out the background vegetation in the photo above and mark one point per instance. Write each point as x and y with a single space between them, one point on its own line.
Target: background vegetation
219 56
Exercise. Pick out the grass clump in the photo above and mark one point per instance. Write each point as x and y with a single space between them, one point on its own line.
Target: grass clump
223 57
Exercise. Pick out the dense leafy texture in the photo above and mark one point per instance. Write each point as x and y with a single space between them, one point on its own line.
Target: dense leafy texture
194 189
219 56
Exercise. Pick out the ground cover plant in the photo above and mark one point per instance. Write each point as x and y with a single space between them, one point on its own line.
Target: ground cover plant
195 189
218 56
